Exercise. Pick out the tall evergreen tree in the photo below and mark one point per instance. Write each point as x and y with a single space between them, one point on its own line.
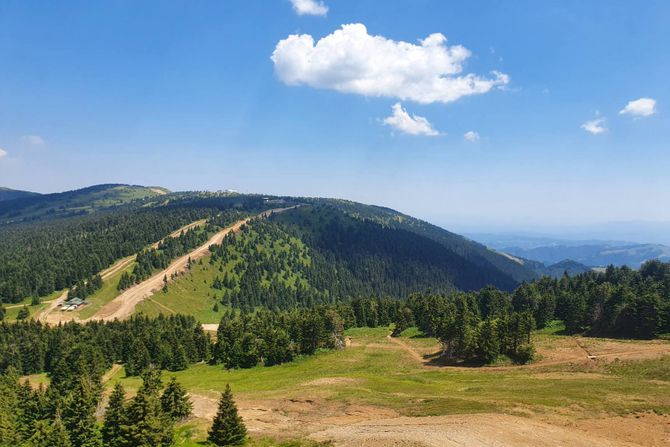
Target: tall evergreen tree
79 415
54 435
228 427
175 402
114 418
145 424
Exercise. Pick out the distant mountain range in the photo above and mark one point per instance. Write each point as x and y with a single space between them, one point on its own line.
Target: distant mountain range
591 253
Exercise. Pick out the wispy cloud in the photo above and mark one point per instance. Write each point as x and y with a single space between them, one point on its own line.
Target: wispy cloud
640 108
3 153
409 124
595 126
309 7
33 140
350 60
471 135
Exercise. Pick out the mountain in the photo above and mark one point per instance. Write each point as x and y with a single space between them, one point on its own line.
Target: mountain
321 251
598 255
10 194
76 202
470 250
558 269
591 253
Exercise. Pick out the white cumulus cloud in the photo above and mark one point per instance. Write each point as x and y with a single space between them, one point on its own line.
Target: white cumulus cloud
409 124
640 107
350 60
596 126
471 135
3 153
33 140
309 7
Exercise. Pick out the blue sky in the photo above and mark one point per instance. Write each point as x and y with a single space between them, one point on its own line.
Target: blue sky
185 95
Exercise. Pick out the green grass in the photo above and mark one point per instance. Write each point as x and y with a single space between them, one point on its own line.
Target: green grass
390 378
657 369
192 433
12 310
190 294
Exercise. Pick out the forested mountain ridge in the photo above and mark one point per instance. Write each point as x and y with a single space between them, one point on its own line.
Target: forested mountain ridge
10 194
469 249
354 250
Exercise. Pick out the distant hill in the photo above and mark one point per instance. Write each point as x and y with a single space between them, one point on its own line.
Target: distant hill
558 269
76 202
597 255
10 194
591 253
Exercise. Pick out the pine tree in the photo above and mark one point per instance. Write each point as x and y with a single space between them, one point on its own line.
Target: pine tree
145 424
175 401
54 435
9 385
114 417
79 415
228 427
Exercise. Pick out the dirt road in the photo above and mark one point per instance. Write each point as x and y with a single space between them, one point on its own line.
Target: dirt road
124 304
48 314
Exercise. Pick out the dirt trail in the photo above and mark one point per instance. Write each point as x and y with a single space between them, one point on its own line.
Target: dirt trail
124 304
47 315
405 347
111 373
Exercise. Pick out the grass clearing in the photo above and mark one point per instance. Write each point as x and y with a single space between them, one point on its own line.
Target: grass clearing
387 377
190 294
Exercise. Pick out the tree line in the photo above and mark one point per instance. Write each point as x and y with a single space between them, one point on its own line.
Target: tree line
619 302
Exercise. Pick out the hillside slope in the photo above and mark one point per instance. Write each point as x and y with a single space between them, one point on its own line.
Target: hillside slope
73 203
472 251
11 194
323 251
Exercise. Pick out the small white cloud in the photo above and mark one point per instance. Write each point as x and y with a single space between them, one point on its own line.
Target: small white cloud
309 7
33 140
350 60
409 124
596 126
471 135
3 153
639 108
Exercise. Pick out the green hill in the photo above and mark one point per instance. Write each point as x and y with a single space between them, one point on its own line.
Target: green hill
76 202
323 251
11 194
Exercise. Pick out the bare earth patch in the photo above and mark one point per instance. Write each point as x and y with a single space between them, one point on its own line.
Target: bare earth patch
481 430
